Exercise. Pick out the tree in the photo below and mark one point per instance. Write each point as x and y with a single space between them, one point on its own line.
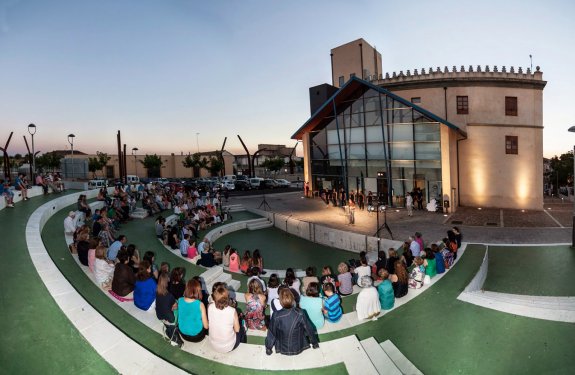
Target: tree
48 161
562 167
216 165
98 163
273 164
152 163
203 163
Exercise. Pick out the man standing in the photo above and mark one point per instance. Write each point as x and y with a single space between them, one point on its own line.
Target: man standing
409 204
115 247
184 244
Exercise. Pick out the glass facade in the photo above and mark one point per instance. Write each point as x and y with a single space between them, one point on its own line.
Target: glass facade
371 141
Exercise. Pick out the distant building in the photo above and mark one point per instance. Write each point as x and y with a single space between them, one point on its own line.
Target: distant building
467 136
265 151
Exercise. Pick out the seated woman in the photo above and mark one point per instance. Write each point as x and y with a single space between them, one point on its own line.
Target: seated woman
367 305
192 317
385 291
363 270
177 284
290 331
344 278
439 261
293 283
124 279
429 263
417 274
258 261
246 262
234 261
255 306
145 288
192 250
165 306
313 305
226 256
226 333
399 280
103 271
309 278
83 206
134 255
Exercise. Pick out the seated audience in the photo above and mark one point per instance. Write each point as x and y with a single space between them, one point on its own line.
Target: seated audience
234 261
103 269
124 279
367 305
309 277
332 304
363 270
385 291
400 280
255 306
417 274
312 304
145 288
344 280
226 332
290 331
177 283
192 317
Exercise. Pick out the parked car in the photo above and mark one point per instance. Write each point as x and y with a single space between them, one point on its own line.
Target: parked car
97 184
229 185
283 183
256 182
268 183
243 185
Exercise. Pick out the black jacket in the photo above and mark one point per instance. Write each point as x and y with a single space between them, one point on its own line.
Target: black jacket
290 331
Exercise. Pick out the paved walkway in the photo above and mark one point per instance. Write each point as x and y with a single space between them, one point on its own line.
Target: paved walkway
491 226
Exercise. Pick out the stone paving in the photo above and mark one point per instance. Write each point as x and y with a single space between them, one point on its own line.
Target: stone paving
486 225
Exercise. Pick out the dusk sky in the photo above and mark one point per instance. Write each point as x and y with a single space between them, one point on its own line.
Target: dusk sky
163 71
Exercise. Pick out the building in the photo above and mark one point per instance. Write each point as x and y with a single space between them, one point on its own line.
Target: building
264 152
471 137
172 165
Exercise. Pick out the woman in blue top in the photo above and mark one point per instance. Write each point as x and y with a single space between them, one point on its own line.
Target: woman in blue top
313 305
145 288
192 317
385 291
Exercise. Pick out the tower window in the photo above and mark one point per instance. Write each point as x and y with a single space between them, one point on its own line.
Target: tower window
511 144
510 106
462 105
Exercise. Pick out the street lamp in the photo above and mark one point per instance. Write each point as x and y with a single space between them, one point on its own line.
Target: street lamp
198 141
572 130
71 142
134 151
32 131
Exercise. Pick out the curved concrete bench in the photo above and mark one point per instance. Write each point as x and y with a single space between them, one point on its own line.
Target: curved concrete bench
560 309
118 348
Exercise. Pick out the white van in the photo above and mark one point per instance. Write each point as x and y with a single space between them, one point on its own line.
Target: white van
229 177
97 184
256 182
132 180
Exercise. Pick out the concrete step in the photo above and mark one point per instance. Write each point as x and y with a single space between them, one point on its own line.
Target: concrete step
403 364
139 213
259 226
211 274
381 361
235 284
543 302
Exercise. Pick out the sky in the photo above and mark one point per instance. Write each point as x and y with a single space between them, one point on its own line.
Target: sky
175 76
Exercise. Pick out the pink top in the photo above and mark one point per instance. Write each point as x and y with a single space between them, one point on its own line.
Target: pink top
234 263
91 259
192 252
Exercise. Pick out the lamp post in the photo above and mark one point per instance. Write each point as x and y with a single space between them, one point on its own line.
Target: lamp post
572 130
134 151
32 131
71 142
198 141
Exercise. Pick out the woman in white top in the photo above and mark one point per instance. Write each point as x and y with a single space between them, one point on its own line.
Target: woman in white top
363 270
103 271
226 333
367 305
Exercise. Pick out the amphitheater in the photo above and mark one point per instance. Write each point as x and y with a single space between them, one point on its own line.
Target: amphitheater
506 307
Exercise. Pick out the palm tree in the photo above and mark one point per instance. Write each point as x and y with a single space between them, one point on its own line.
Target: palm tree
192 162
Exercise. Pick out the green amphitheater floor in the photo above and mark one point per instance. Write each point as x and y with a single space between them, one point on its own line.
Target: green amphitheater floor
531 270
437 332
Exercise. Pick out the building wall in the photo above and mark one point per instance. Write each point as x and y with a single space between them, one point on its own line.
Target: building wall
347 59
